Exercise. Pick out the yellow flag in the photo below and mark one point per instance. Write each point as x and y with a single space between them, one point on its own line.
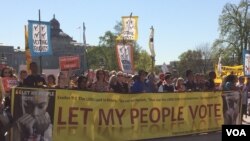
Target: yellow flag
130 28
27 50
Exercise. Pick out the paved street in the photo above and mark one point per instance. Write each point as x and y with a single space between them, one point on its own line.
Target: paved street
212 136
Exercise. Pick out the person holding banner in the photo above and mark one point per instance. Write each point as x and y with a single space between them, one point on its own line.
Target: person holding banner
244 98
34 79
161 79
82 83
139 85
62 80
120 86
35 123
100 85
167 86
22 75
51 81
210 84
189 83
230 83
8 81
179 85
151 86
113 84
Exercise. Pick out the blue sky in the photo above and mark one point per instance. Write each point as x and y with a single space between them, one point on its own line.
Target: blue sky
179 24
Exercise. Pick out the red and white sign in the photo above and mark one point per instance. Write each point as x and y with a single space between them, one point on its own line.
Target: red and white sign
69 62
8 83
124 53
2 66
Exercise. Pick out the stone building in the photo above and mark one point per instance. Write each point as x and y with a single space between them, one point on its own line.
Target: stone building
62 45
11 57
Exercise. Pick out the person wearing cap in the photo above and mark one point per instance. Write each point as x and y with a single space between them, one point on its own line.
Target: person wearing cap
139 83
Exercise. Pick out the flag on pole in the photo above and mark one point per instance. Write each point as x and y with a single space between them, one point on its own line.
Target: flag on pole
151 42
39 38
129 28
219 66
27 50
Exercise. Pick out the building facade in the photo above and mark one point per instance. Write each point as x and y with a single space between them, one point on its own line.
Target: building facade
62 45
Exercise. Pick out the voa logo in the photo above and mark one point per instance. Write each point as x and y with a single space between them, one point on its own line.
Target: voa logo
236 132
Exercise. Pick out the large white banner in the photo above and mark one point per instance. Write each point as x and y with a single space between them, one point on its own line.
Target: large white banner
124 54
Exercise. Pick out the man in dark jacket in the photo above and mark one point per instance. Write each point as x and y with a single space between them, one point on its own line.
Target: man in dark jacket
34 79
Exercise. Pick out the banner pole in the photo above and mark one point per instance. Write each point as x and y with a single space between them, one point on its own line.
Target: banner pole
40 45
153 63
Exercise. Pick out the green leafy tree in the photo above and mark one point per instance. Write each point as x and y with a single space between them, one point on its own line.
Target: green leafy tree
234 25
143 61
191 59
206 53
106 52
107 40
102 57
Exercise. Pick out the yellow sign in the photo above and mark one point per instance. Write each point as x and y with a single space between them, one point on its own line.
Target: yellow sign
129 28
226 70
80 115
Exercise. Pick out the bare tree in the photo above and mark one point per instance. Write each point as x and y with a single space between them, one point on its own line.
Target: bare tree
205 51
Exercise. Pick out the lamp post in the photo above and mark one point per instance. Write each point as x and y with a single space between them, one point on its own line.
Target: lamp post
3 62
233 59
205 62
85 47
101 63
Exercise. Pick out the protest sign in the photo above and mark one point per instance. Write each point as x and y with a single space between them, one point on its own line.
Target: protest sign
110 116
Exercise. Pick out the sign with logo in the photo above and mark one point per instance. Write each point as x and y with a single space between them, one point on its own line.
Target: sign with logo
235 132
2 66
39 38
69 63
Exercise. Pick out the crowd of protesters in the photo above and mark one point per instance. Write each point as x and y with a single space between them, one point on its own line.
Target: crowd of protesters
119 82
101 80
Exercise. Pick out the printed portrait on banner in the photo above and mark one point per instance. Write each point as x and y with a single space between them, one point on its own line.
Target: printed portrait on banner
33 114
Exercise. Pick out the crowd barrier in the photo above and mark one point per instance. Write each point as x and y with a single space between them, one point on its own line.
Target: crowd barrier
56 114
